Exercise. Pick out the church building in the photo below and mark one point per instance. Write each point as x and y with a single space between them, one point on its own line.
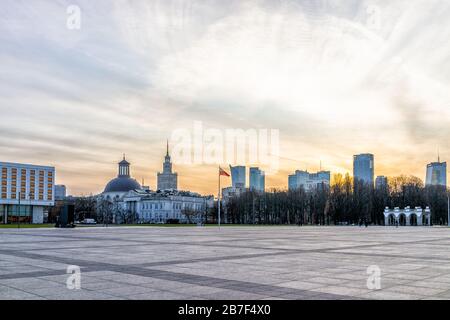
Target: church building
118 187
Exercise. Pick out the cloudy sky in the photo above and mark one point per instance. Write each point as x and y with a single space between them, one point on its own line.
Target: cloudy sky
336 78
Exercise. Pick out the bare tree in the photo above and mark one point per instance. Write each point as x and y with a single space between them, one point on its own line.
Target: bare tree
190 214
345 201
104 209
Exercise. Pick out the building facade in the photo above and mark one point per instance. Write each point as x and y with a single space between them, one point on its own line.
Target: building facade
407 216
238 178
27 191
231 192
308 181
257 180
437 174
162 206
364 168
60 192
167 180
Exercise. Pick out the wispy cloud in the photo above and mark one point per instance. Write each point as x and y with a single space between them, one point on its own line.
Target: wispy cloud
336 77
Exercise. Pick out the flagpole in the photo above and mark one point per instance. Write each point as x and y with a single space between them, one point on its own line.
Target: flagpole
218 202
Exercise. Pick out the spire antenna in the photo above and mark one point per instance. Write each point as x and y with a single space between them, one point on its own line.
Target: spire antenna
167 147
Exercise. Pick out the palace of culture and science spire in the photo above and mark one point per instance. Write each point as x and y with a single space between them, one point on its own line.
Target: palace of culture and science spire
166 179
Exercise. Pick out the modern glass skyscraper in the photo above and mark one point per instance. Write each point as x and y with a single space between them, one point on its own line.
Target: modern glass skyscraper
363 168
257 180
238 176
437 174
381 182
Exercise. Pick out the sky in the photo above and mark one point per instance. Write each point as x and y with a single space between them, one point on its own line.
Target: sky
334 78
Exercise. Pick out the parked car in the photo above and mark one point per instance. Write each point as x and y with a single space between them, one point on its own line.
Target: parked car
89 221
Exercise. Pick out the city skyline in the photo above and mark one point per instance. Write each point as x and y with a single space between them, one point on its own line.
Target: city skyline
227 183
336 80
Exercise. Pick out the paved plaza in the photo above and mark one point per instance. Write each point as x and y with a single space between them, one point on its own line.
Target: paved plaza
233 263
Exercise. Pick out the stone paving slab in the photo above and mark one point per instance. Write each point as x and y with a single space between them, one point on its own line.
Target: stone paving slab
296 263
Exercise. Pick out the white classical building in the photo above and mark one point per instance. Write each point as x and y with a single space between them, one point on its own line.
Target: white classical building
407 216
161 206
153 206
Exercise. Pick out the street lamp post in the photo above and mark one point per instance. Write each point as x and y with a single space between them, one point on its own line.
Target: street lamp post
18 217
30 207
448 203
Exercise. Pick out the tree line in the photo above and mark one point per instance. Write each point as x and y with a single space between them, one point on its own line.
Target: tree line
345 201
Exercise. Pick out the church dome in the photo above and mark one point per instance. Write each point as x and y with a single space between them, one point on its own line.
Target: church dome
122 184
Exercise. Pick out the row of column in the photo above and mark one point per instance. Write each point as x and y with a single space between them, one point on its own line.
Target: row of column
409 221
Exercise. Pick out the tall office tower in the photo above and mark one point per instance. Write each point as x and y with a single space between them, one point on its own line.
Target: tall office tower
238 176
381 182
363 168
167 179
257 180
60 192
437 174
292 182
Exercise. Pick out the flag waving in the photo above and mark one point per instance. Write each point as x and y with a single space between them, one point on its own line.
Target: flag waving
223 172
